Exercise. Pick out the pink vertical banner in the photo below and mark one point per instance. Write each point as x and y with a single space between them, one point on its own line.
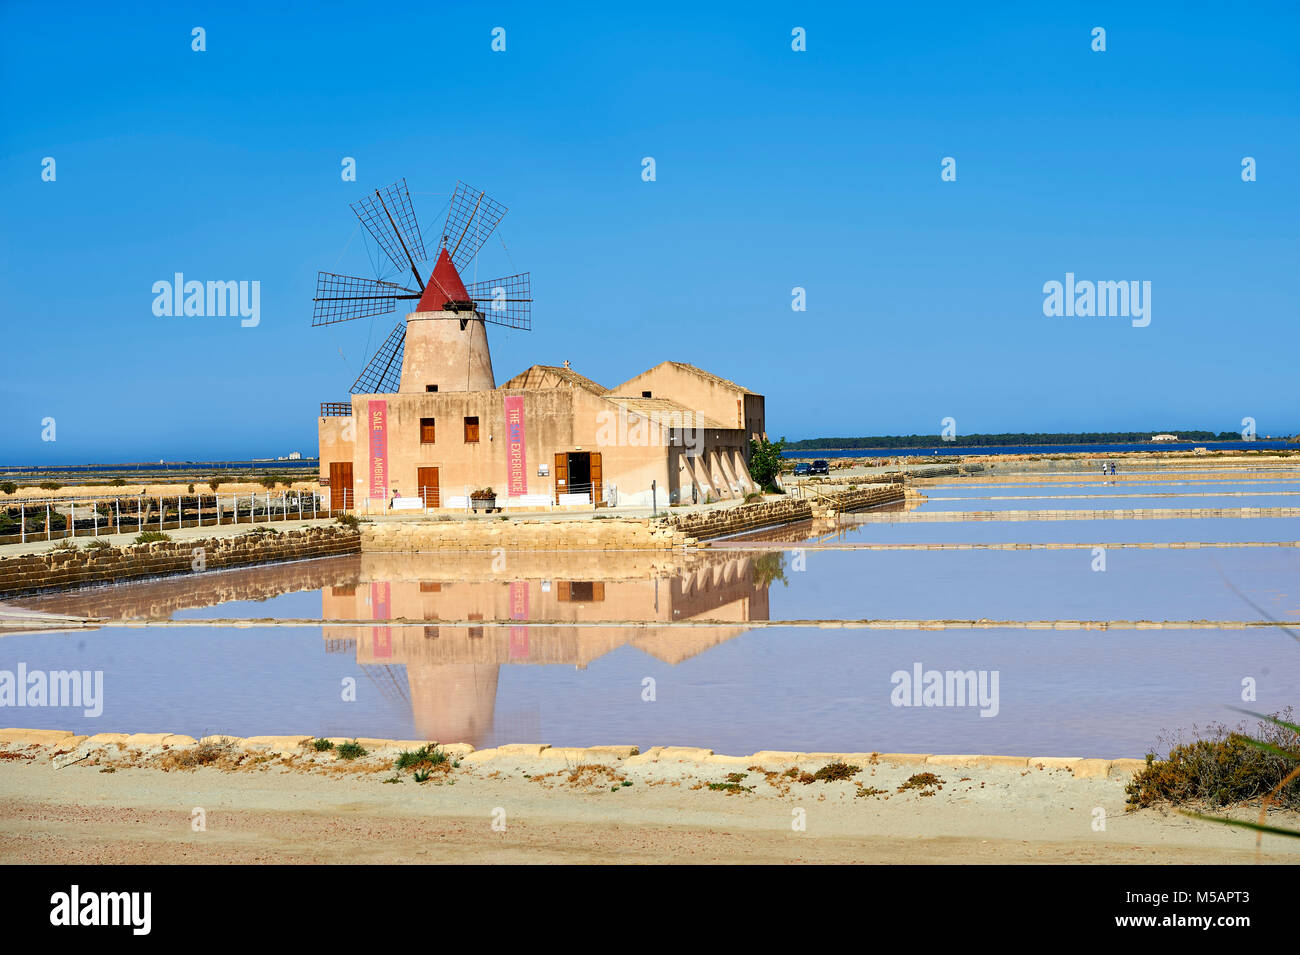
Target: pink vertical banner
516 462
378 450
381 609
519 611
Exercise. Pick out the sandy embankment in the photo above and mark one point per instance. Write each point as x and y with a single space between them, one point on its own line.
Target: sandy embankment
284 803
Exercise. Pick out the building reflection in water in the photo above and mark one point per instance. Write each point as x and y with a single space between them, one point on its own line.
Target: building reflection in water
474 613
475 619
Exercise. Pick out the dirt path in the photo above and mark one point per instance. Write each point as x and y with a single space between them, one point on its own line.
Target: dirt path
274 813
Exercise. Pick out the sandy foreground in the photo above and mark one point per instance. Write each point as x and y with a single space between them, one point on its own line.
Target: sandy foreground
120 805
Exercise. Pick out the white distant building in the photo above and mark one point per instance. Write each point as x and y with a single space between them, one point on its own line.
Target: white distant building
295 455
1164 437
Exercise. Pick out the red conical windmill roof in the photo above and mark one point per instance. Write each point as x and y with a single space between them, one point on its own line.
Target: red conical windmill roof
444 286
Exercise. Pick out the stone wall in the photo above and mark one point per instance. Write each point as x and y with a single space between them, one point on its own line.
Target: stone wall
704 525
63 569
515 535
615 533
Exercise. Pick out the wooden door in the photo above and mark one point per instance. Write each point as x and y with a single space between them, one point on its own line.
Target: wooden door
427 486
340 482
597 487
561 475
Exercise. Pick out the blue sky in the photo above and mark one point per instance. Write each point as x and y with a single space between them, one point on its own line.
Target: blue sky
775 169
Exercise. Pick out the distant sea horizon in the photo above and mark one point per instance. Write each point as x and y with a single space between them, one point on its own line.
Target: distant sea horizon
246 464
976 449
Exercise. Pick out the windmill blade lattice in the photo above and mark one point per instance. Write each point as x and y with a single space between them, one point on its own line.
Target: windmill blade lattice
389 217
341 298
471 217
383 373
506 301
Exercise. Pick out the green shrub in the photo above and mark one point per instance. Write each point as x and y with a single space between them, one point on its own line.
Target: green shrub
1223 768
835 772
214 483
426 756
98 544
349 520
118 482
9 487
350 750
321 744
50 485
149 537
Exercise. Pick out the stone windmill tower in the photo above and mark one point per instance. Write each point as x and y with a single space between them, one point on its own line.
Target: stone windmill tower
443 344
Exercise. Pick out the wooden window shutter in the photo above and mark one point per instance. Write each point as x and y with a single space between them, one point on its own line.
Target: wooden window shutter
561 475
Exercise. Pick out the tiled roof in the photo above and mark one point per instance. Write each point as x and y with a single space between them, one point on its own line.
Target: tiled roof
669 413
535 377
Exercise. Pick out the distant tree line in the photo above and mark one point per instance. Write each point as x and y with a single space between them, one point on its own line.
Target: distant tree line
1001 440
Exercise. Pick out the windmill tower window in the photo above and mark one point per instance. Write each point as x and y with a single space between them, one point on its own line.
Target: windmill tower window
471 430
645 394
430 387
427 430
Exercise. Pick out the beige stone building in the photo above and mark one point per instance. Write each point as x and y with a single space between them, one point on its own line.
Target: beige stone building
548 437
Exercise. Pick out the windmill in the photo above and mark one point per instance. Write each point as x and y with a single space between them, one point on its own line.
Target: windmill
389 217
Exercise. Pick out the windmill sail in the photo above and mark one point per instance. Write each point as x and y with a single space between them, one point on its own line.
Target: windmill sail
471 217
389 217
383 373
341 298
506 301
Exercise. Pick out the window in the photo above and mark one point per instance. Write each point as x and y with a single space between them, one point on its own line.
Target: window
426 430
471 430
430 587
581 591
430 387
645 394
343 591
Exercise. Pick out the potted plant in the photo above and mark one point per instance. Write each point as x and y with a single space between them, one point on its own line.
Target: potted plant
485 498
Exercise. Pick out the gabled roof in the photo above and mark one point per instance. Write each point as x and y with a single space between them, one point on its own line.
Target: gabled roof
706 375
668 413
553 376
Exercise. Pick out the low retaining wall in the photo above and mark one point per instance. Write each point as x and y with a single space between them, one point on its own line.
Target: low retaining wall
615 533
705 525
64 743
1135 514
63 569
515 536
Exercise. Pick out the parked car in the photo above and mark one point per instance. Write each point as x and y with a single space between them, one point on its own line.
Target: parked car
802 469
819 467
